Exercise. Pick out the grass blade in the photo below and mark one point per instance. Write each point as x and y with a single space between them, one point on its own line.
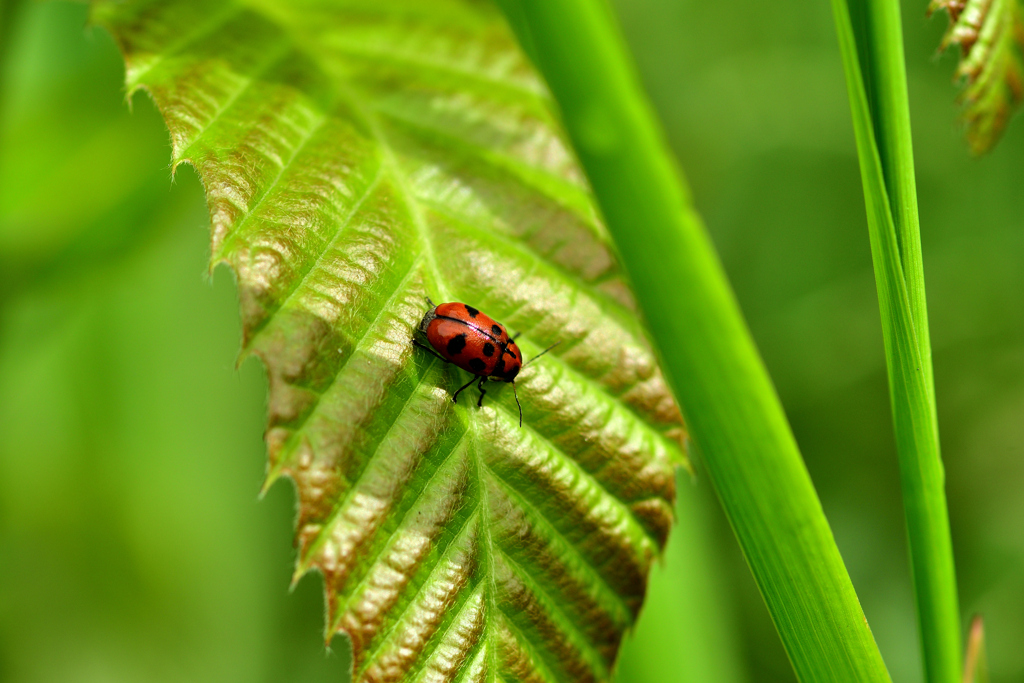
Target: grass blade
726 394
876 82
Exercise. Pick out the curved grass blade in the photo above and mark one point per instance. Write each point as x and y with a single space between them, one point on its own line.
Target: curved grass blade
731 407
357 157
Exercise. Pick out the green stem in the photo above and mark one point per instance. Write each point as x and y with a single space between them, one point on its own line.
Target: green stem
876 80
731 407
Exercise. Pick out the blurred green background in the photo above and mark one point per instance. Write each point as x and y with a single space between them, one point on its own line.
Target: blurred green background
133 546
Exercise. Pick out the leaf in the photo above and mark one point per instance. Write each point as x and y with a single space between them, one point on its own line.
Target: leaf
990 34
357 157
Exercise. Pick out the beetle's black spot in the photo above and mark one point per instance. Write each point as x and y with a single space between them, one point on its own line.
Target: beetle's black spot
499 367
477 365
472 311
456 344
488 349
496 330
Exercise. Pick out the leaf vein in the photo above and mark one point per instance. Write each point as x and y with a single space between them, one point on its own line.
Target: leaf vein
456 541
411 61
537 179
405 514
610 497
236 229
294 289
599 578
275 57
587 649
536 658
314 409
440 638
215 22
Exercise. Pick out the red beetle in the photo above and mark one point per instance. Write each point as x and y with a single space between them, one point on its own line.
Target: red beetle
472 340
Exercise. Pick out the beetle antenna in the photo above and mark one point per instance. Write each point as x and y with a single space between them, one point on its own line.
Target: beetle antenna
542 353
429 302
516 394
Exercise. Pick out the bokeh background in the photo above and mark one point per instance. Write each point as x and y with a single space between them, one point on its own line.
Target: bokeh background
133 545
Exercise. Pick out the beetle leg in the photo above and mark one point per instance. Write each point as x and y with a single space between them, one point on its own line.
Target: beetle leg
420 344
456 396
480 386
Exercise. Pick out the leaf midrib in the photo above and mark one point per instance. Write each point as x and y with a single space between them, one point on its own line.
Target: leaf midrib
488 545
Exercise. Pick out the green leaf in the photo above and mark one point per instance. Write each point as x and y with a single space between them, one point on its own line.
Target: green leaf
990 35
358 157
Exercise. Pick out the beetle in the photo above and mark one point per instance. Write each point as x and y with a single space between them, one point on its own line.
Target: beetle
472 340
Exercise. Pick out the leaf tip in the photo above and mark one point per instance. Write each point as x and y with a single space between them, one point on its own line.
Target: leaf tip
272 476
297 575
975 660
